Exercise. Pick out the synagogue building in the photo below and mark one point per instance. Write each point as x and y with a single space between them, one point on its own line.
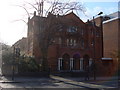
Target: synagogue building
75 45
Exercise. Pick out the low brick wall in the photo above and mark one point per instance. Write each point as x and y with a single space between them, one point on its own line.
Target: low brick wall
7 70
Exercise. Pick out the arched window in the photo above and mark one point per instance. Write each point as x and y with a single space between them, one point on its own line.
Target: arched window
67 42
72 29
74 42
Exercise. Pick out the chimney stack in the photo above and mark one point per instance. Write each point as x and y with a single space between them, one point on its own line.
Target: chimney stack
34 13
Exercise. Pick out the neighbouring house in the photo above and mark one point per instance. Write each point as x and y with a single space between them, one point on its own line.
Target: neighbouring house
22 44
111 34
111 41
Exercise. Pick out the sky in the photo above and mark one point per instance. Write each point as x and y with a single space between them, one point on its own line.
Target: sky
12 28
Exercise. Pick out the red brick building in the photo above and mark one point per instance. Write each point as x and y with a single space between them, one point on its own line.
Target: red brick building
75 46
111 38
111 32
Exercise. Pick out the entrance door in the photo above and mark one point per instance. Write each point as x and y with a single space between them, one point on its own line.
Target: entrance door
66 62
76 62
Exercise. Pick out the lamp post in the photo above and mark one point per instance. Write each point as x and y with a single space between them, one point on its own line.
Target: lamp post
94 70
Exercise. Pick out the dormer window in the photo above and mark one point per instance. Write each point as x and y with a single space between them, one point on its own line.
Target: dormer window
72 29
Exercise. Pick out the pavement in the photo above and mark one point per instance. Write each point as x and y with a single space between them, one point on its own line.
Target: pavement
101 82
58 82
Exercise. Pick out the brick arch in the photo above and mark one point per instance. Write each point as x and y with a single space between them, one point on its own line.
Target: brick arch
76 55
65 53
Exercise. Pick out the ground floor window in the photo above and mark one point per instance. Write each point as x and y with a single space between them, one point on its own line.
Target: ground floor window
75 63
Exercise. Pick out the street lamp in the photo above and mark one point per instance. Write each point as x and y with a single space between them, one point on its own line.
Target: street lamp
95 16
94 45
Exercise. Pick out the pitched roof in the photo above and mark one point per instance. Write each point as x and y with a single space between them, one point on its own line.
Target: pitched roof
72 15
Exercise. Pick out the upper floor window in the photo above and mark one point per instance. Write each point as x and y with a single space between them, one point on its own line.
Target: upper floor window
82 31
97 34
74 42
91 31
71 42
60 40
72 29
82 43
67 42
92 43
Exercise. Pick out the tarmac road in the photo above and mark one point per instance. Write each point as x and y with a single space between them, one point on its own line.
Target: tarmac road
32 83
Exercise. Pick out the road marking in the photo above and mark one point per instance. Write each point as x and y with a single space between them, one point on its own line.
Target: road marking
79 83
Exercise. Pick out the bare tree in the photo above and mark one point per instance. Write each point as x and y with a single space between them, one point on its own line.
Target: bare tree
54 6
49 25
